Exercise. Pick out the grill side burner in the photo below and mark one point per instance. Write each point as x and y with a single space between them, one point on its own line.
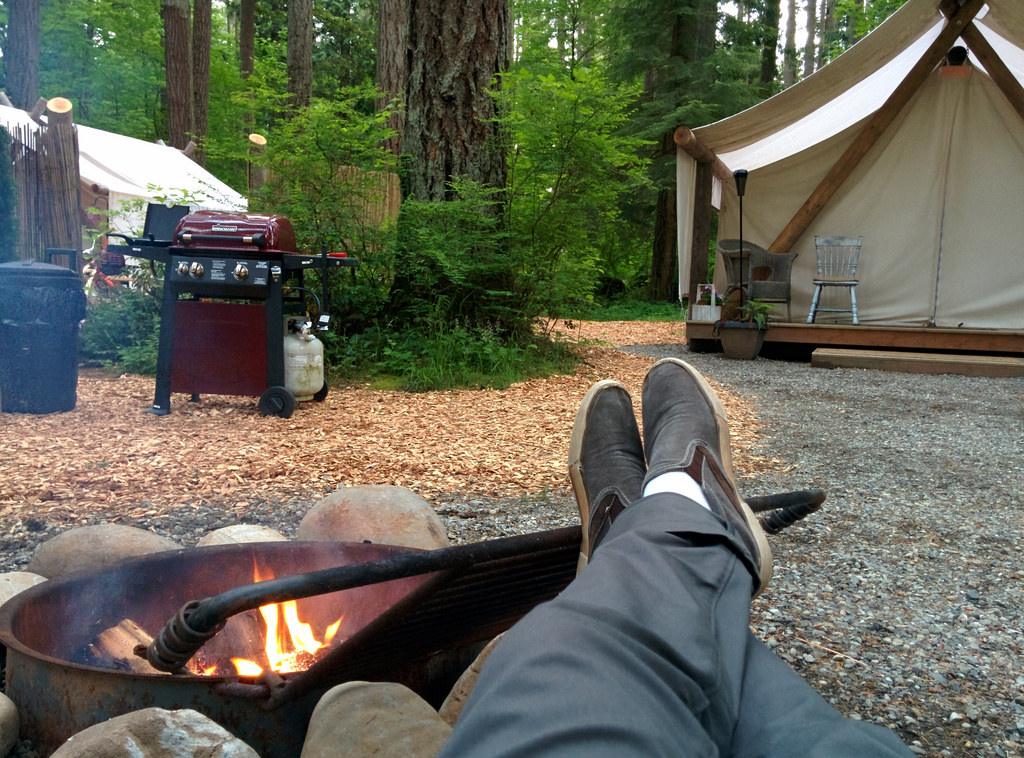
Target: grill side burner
247 258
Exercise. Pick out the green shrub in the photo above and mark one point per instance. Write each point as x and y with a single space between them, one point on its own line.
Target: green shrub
122 332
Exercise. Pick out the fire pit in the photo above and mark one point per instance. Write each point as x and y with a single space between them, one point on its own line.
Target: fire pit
415 617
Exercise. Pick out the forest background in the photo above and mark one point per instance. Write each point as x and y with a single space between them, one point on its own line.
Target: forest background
529 141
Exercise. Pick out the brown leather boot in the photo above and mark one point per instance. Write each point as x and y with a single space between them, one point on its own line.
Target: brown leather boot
606 461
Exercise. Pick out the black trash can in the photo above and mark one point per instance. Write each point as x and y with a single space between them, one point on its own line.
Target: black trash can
42 307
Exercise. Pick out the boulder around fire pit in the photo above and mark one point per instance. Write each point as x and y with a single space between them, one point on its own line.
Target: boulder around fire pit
155 733
95 547
379 513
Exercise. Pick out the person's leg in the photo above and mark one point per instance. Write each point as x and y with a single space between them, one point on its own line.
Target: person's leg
629 658
781 715
633 658
648 652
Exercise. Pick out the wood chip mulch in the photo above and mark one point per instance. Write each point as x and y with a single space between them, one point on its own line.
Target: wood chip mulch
107 455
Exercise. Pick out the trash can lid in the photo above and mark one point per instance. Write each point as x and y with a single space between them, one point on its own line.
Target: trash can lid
37 274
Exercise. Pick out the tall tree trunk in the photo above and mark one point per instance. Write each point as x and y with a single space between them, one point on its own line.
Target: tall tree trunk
178 64
247 37
456 50
201 32
827 30
810 55
693 39
393 64
300 51
21 53
770 43
789 54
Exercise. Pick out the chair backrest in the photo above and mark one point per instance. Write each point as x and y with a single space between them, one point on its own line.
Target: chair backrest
837 256
729 250
766 275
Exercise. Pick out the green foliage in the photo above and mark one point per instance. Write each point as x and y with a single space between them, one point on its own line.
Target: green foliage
630 309
330 176
8 202
122 332
569 170
756 312
454 265
447 356
854 19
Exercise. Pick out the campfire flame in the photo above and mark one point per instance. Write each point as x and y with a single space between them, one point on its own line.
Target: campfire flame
291 646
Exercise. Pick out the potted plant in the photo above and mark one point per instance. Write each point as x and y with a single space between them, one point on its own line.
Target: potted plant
742 329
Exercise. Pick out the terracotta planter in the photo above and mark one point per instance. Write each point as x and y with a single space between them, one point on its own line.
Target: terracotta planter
740 339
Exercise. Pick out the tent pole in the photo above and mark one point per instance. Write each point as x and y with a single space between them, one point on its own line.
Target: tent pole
875 127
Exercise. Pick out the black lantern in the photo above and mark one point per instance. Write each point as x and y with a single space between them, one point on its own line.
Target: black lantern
740 175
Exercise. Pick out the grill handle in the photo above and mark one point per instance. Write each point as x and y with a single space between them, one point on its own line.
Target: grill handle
258 240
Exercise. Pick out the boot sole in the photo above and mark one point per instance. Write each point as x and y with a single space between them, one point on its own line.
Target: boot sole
579 428
725 452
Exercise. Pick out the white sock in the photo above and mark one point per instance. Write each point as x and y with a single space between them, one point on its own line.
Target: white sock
678 482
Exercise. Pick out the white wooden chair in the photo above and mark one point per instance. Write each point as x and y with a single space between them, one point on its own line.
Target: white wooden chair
837 267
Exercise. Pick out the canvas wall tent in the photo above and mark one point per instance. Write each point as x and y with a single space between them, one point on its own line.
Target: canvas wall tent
936 187
124 168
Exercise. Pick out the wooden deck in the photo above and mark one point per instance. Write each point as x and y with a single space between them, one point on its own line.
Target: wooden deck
798 341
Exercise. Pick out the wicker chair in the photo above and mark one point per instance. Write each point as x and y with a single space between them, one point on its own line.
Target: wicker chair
837 267
766 276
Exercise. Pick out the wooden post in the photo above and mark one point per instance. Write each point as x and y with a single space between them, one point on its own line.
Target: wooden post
688 141
701 229
63 209
257 174
875 127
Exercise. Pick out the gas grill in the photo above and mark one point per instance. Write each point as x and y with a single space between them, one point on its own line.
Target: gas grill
230 280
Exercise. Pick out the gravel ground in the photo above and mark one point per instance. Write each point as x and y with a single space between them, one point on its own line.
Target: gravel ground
899 601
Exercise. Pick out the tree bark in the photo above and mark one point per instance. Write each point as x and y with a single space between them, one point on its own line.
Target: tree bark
789 55
202 29
456 50
300 52
22 52
693 40
178 64
810 55
393 65
247 37
770 43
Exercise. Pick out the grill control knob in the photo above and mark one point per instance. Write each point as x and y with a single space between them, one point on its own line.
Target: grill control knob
196 269
241 272
182 268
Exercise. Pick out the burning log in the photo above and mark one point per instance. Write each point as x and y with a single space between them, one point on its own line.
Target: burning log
117 646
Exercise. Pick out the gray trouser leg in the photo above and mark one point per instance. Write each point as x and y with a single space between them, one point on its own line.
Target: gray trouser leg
647 653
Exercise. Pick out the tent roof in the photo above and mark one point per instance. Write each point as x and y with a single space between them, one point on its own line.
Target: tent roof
132 168
854 85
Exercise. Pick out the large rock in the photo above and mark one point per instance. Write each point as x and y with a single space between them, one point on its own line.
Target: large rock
14 582
237 534
155 733
382 514
95 547
363 719
452 706
10 724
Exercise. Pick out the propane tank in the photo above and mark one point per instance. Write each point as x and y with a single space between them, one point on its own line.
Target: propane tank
303 359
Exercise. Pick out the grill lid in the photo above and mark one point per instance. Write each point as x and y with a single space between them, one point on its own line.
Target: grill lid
224 230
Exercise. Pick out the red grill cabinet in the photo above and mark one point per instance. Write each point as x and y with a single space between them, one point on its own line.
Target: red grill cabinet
224 302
